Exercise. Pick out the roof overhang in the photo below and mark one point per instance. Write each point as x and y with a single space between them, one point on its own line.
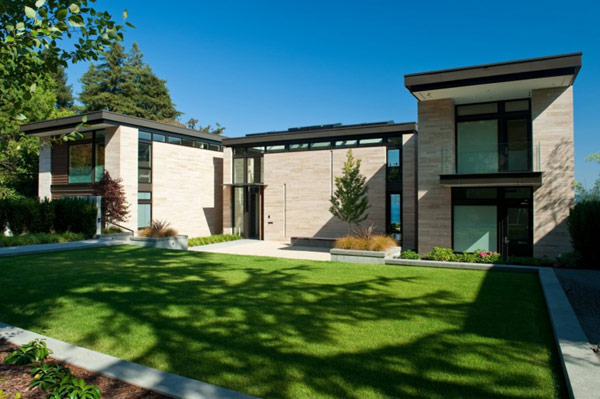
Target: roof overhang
506 179
105 119
341 131
493 82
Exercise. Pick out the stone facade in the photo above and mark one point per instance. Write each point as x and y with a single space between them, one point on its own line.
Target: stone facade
552 118
299 185
187 188
45 171
121 162
435 153
409 191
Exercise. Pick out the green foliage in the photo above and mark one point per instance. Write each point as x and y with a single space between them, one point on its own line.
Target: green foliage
569 260
192 122
583 223
111 230
32 48
32 352
214 239
46 216
349 202
7 396
408 254
40 238
75 388
530 261
123 83
592 194
441 254
63 91
77 215
49 376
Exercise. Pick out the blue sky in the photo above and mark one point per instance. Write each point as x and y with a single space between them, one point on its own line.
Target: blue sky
268 65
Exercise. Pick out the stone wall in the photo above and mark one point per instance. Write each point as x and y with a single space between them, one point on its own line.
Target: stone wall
552 117
409 191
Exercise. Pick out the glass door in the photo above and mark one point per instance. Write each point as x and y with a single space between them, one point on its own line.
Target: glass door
517 241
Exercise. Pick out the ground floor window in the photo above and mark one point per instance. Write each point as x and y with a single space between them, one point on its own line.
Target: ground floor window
238 210
395 215
493 219
144 209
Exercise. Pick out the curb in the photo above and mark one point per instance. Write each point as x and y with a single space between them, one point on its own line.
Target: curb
58 247
135 374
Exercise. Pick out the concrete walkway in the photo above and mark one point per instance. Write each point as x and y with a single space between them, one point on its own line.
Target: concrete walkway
265 248
145 377
63 246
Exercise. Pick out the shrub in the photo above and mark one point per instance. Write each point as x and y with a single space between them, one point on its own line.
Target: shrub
18 214
111 230
48 377
158 228
529 261
408 254
196 241
583 223
482 256
34 351
569 259
376 243
441 255
77 215
75 388
46 218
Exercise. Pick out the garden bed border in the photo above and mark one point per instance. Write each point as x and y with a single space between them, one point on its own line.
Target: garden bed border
132 373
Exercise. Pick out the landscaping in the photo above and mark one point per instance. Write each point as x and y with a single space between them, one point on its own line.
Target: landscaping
278 328
40 238
214 239
477 256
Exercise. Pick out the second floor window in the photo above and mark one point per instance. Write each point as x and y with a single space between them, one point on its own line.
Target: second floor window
494 137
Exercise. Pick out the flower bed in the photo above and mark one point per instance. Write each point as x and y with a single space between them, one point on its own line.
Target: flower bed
214 239
478 256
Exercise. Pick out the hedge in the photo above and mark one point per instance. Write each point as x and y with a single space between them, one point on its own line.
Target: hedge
28 215
583 223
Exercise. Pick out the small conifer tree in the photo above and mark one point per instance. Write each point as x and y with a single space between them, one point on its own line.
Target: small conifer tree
115 208
349 202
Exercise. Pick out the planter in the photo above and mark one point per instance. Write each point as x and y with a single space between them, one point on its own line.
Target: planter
179 242
124 236
367 257
459 265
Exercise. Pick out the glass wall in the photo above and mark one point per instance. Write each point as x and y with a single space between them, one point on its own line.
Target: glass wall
238 170
238 210
475 227
80 163
395 216
477 146
144 159
144 215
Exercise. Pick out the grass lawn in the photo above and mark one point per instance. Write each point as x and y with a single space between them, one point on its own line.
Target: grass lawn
292 328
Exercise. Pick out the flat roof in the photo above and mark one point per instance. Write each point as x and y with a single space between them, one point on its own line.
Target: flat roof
102 119
323 132
530 68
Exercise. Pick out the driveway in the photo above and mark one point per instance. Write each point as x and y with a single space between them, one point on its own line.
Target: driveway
266 248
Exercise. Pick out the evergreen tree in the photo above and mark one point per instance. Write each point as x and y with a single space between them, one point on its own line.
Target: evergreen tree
124 83
349 202
64 91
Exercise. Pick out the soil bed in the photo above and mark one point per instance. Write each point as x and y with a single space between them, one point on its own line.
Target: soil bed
15 379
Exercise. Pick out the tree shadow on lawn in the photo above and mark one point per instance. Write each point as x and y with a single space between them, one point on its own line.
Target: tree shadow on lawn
285 328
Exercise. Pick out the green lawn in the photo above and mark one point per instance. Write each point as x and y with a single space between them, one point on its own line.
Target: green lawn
290 328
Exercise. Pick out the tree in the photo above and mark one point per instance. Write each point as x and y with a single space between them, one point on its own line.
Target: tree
581 193
192 122
32 48
63 91
349 202
114 205
123 83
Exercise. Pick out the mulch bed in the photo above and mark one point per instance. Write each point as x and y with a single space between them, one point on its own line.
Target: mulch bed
16 379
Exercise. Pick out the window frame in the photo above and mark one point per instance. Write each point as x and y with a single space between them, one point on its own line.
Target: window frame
502 117
94 141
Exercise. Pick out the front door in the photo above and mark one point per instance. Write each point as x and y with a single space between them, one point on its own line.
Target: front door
516 223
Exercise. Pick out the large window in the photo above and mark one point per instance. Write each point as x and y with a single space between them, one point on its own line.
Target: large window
144 159
493 137
493 219
86 158
394 187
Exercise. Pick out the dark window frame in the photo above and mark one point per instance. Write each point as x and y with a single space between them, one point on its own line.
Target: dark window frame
501 203
394 187
149 142
94 141
502 117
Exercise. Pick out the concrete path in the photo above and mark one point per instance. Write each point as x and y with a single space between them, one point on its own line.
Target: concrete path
266 248
583 290
64 246
145 377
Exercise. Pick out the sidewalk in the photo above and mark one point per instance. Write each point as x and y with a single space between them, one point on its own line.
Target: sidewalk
265 248
64 246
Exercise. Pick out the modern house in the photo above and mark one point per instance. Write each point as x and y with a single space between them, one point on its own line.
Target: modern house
489 165
168 172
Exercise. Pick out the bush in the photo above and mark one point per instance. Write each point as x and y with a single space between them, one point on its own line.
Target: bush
375 243
48 377
111 230
441 255
583 223
46 218
40 238
530 261
158 228
34 351
76 215
569 260
408 254
196 241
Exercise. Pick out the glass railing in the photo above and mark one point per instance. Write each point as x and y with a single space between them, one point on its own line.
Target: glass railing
503 157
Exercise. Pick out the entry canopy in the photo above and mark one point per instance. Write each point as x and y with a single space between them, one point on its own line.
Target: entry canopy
493 82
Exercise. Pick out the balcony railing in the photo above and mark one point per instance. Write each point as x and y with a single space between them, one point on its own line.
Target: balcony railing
500 158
